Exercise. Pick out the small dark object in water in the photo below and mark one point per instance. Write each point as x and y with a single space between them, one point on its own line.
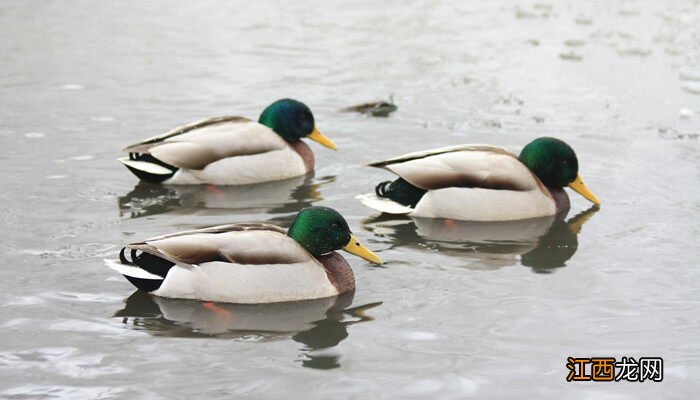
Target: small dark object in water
375 109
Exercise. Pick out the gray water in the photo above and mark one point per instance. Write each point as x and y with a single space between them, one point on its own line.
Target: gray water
458 310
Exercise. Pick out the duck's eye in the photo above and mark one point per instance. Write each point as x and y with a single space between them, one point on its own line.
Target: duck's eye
305 123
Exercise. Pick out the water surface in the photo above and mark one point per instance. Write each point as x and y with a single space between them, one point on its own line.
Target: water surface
459 310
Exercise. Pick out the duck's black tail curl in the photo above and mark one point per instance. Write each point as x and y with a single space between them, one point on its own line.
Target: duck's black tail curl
380 189
146 175
149 263
400 191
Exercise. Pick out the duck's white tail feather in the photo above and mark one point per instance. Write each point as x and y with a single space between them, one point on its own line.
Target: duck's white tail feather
145 166
129 270
382 204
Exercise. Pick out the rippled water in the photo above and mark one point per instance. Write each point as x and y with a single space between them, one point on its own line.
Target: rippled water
459 309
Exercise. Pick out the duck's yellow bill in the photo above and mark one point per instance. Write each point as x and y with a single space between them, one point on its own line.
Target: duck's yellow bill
354 247
578 186
319 137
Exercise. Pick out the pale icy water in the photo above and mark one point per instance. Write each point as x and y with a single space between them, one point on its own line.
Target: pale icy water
459 310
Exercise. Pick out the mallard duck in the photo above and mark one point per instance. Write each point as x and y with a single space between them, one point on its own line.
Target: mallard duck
248 263
231 150
481 182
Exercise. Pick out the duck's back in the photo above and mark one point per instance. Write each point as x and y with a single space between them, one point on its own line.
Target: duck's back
477 166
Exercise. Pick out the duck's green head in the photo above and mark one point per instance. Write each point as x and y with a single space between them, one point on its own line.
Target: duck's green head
293 120
321 230
555 163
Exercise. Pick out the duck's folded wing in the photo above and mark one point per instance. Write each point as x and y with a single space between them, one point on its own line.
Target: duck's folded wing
239 244
145 144
199 144
477 166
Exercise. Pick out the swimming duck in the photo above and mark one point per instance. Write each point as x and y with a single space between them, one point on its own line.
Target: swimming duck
481 182
231 150
248 263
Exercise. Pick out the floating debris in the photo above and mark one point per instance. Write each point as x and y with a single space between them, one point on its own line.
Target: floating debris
574 43
634 51
375 109
494 123
538 12
628 12
511 100
570 56
672 134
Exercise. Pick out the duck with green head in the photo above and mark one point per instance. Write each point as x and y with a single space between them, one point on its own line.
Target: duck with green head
248 263
481 182
231 150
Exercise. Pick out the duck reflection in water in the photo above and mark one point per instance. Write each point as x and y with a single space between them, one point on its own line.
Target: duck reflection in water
543 244
284 196
316 324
